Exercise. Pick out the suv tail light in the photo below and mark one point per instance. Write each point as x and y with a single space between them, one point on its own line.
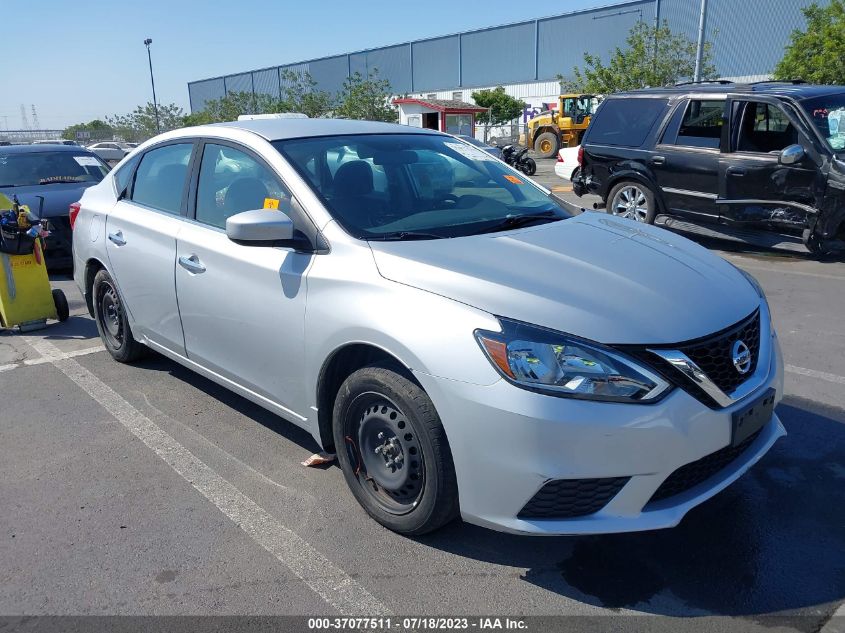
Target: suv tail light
74 211
559 158
581 156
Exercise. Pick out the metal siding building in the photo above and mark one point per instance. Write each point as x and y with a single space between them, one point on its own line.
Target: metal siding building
748 39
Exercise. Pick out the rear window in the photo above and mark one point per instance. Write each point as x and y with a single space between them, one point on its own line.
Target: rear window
625 121
45 168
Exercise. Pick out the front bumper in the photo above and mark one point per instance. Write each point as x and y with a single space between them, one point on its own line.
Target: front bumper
507 443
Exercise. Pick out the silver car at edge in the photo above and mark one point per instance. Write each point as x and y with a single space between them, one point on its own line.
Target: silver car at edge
464 344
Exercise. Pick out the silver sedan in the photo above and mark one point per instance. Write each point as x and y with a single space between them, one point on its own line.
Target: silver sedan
465 345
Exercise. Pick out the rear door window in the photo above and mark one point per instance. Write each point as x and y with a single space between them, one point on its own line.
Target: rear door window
625 122
701 125
160 178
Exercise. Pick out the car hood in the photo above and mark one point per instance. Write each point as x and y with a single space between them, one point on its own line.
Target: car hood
595 276
57 197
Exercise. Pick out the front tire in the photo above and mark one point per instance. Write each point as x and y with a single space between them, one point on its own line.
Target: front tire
112 323
633 200
547 144
393 451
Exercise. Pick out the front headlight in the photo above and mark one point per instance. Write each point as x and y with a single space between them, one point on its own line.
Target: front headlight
562 365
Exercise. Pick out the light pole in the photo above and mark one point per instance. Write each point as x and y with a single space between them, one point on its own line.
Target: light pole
147 43
699 50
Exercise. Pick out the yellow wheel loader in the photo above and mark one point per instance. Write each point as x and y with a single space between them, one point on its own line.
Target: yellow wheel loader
563 127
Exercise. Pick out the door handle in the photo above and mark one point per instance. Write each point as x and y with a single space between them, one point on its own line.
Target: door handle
117 238
736 171
192 264
658 160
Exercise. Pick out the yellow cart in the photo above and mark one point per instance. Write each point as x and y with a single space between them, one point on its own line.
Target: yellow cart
26 299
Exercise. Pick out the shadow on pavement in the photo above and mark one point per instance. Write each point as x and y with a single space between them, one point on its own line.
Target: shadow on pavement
774 541
156 362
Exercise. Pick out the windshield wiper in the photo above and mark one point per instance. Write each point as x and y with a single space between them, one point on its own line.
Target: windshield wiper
517 221
397 236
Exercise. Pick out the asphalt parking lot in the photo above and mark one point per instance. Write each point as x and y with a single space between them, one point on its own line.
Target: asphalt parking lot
146 489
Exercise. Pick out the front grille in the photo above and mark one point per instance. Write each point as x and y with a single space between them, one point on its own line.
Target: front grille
568 498
714 355
694 473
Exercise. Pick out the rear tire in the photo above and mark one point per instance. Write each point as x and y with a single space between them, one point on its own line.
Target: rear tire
529 167
633 200
393 451
546 145
60 301
112 323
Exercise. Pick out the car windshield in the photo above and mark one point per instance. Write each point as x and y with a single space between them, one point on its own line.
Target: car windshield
474 141
44 168
416 186
828 114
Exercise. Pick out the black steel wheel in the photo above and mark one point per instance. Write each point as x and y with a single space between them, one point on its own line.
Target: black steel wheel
112 323
393 451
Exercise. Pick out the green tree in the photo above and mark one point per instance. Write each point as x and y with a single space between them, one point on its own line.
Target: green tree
653 56
140 124
300 94
501 107
234 104
97 129
366 98
817 54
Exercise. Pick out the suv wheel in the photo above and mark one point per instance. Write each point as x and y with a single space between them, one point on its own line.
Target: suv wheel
112 323
632 200
393 451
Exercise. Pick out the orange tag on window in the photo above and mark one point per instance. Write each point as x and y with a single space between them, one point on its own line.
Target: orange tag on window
513 179
271 203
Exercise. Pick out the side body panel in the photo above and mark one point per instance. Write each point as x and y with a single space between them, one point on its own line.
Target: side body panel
143 267
244 314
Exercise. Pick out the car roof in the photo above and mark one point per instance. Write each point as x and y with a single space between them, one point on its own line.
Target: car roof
279 129
41 149
795 90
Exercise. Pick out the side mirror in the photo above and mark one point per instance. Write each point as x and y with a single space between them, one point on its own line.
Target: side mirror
260 225
791 154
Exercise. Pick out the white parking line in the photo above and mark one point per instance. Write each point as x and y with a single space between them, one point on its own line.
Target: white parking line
43 359
70 354
331 583
812 373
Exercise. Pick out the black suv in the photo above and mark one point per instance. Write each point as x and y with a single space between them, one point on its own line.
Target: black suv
757 163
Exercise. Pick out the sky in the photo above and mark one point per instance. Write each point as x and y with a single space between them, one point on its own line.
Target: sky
77 60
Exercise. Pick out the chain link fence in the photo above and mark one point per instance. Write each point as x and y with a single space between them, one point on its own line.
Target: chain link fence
506 134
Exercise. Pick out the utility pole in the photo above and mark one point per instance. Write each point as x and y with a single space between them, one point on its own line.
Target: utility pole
147 43
699 52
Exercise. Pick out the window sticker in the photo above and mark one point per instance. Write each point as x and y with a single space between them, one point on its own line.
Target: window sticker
86 161
513 179
836 126
271 203
468 151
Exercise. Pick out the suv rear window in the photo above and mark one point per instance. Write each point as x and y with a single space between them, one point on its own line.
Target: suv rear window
625 121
